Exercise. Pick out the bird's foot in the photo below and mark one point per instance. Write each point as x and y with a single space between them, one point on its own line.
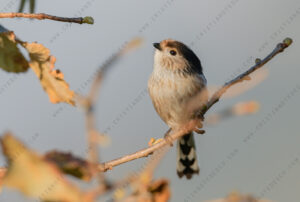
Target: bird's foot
168 138
198 127
199 131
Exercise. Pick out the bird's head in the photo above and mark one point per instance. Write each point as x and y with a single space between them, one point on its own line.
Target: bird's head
175 55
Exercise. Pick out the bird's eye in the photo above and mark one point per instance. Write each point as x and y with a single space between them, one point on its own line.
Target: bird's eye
172 52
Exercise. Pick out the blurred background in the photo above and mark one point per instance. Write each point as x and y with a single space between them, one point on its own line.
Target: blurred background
257 154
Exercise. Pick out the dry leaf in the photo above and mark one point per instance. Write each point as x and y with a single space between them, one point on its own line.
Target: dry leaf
72 165
52 80
11 59
156 191
160 190
35 177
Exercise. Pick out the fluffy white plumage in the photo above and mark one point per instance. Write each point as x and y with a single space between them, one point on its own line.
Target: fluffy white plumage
177 89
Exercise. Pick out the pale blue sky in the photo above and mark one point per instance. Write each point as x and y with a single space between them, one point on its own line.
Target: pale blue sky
244 29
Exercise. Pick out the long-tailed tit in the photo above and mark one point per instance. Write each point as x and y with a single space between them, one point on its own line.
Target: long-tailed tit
177 88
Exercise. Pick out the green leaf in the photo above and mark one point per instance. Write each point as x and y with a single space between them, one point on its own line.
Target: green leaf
11 59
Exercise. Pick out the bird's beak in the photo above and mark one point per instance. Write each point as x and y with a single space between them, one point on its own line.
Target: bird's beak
157 46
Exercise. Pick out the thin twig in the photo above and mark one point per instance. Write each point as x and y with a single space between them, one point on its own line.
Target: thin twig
245 76
147 151
89 102
43 16
192 124
89 105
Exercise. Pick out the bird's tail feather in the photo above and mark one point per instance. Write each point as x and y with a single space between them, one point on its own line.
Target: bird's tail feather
187 163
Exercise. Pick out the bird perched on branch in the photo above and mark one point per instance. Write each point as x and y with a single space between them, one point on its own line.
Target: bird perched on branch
177 88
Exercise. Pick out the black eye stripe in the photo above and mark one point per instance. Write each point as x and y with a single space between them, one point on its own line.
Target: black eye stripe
172 52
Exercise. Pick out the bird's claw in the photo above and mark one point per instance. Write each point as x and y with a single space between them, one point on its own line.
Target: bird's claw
169 139
201 117
199 131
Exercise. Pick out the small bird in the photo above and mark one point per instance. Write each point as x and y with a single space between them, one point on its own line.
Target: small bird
177 88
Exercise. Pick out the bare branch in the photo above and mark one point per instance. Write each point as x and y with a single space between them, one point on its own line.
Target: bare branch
147 151
43 16
92 133
89 102
192 124
245 76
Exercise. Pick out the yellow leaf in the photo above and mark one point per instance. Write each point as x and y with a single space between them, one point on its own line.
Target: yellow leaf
35 177
11 59
42 63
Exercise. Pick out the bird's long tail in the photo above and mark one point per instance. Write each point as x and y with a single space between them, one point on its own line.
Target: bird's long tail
187 163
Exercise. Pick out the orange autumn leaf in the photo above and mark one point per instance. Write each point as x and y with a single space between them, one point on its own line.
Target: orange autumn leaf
52 81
